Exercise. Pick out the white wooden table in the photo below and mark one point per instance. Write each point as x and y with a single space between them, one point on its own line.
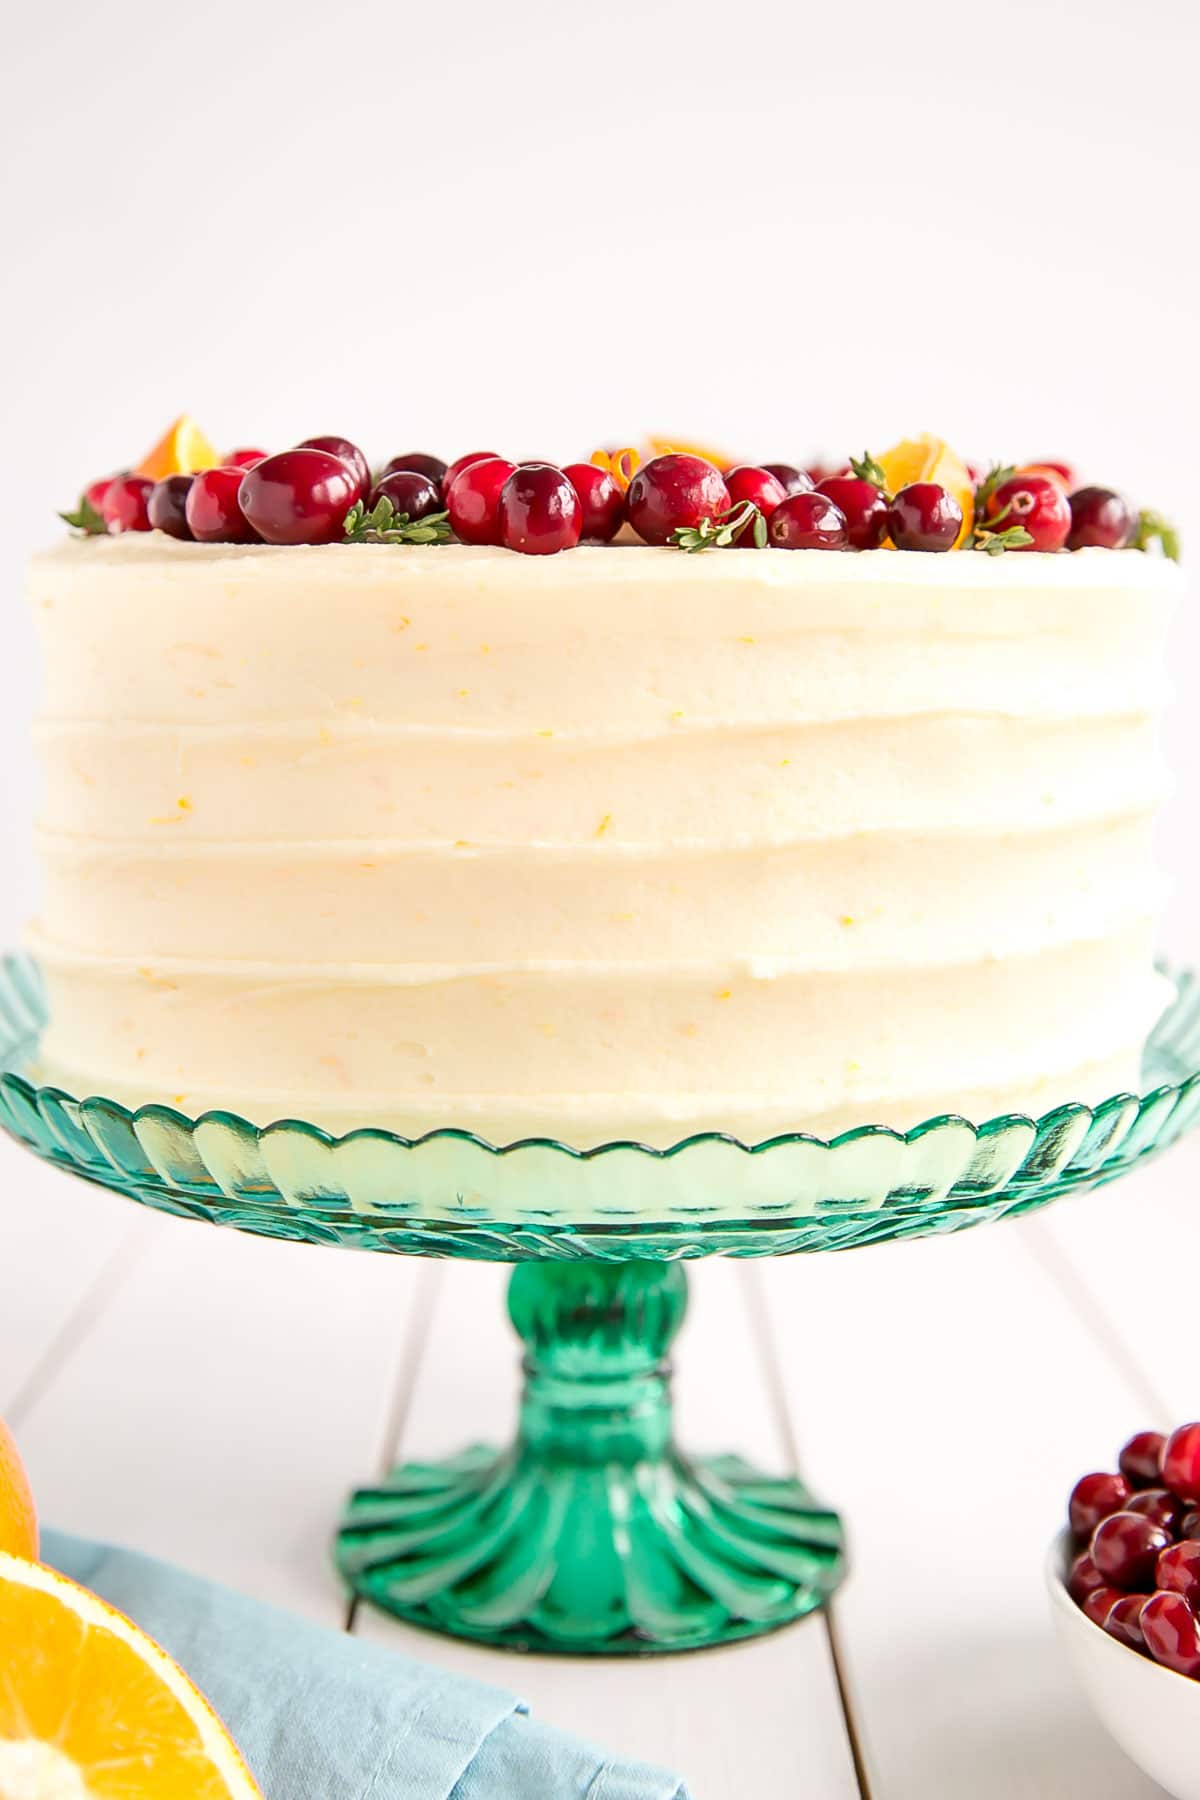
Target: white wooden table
210 1398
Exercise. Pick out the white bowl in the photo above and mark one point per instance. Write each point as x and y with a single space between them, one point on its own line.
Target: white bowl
1153 1713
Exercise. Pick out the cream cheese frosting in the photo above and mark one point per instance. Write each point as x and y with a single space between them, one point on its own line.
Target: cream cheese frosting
616 843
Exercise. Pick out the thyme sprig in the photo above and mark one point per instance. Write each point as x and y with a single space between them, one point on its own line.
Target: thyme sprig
1152 528
867 469
384 525
85 519
1013 537
725 529
985 536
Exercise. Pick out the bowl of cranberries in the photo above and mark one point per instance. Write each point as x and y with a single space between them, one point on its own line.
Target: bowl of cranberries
1124 1583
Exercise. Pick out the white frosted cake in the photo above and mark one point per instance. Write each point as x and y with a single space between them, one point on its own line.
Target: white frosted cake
616 844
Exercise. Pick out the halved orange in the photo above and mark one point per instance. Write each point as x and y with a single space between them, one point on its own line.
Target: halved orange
928 458
91 1709
18 1515
182 449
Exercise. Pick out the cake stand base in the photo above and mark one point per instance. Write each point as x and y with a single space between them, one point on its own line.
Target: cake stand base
593 1534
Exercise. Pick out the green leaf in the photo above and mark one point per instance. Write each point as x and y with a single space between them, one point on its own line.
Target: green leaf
1151 528
85 519
1014 537
995 477
867 469
384 525
721 531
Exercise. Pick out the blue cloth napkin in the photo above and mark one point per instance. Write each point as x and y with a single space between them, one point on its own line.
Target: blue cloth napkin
319 1715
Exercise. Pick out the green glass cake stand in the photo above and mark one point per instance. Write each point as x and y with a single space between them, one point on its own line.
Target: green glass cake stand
593 1532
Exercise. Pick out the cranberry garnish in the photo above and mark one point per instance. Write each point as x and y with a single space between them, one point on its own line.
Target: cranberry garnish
791 479
212 510
464 462
300 496
1100 1602
866 509
1178 1570
409 492
126 502
1157 1504
1063 470
1036 502
415 462
1141 1459
807 521
350 454
761 488
244 458
96 491
472 498
600 497
1125 1548
167 505
1093 1498
1100 517
1181 1462
672 492
1084 1578
923 516
1124 1622
1171 1633
539 511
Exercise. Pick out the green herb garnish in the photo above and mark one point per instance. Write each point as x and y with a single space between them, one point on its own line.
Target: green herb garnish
867 469
1013 537
384 525
85 519
1151 527
724 530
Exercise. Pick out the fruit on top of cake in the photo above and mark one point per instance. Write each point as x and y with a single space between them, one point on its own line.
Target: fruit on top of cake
748 482
455 469
472 497
539 511
622 464
924 516
790 478
1037 504
410 493
18 1515
1100 517
90 1706
661 446
348 453
864 506
126 503
1136 1571
417 462
808 521
674 492
212 511
182 449
166 508
929 459
300 496
602 499
243 458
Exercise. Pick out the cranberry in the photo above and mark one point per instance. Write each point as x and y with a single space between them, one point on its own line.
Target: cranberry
791 479
600 497
212 510
1093 1498
167 506
126 503
923 516
540 511
1189 1525
409 492
1098 516
1125 1548
1084 1578
1141 1459
300 496
1063 470
415 462
1100 1602
1181 1462
1124 1622
464 462
96 491
244 459
472 498
761 488
1178 1570
866 509
1036 502
807 521
1171 1632
1157 1504
350 454
672 492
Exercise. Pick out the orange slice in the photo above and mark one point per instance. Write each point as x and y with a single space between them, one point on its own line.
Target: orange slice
929 458
90 1709
182 449
18 1516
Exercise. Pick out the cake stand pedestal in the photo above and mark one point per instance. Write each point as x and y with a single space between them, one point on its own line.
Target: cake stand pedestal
593 1532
